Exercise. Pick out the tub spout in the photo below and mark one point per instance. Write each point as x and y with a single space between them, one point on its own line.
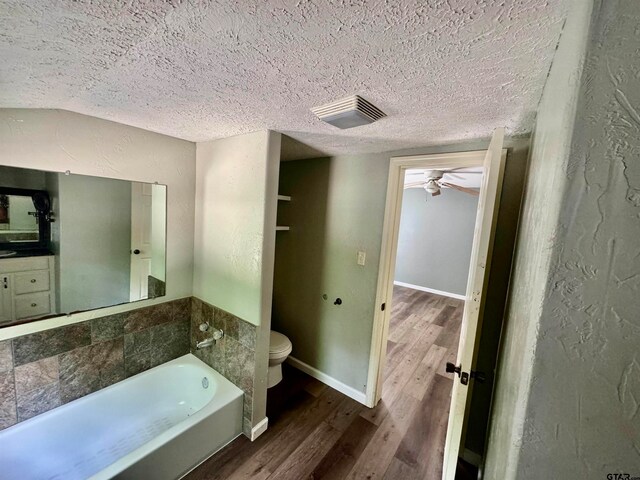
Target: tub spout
217 335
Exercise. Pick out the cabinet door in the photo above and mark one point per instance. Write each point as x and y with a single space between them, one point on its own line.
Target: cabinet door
6 315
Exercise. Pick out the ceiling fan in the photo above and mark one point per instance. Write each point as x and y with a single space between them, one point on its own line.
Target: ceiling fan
432 182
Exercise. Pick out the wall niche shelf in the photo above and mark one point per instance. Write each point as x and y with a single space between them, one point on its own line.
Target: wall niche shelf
283 198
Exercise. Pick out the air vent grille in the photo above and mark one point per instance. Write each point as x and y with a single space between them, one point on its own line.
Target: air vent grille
349 112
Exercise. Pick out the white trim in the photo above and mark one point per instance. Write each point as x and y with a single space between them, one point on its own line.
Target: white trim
389 247
430 290
487 214
327 380
492 160
259 428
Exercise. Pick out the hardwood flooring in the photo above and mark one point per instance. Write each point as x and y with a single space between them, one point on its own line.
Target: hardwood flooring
317 433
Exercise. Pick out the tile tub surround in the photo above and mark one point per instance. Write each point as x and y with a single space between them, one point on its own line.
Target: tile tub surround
156 288
233 356
43 370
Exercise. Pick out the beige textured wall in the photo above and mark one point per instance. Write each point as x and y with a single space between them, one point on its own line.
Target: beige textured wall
578 412
231 198
536 237
236 202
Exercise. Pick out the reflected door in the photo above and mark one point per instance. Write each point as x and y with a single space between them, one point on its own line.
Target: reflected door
141 201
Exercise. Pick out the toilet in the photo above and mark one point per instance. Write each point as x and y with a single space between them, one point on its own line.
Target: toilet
279 349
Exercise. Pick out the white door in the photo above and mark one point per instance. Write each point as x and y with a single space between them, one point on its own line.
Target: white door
475 298
140 240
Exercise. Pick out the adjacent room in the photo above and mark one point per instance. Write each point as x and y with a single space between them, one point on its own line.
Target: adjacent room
318 240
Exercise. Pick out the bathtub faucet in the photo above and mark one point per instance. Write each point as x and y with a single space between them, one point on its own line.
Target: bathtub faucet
217 335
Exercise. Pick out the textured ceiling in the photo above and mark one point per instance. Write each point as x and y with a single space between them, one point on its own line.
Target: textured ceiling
442 70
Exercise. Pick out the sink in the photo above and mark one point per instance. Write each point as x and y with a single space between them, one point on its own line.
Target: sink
7 253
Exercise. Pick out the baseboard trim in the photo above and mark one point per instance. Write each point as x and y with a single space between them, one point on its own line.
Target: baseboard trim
430 290
260 428
328 380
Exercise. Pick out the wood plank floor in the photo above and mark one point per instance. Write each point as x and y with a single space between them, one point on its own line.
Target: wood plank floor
316 432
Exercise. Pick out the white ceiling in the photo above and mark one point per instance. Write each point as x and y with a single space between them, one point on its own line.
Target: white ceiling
442 70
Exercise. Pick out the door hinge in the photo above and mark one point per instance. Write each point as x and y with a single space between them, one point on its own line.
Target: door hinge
477 376
383 306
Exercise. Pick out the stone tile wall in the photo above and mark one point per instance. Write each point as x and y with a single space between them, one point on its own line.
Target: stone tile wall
233 356
155 287
43 370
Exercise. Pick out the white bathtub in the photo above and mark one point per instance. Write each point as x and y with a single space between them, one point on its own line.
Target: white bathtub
158 424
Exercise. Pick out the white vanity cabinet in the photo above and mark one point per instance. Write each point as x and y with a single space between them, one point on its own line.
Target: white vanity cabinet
27 288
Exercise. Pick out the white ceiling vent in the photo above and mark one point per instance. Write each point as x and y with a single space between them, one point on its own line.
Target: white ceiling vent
349 112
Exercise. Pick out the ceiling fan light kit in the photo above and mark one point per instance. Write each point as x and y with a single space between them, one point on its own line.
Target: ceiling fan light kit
432 187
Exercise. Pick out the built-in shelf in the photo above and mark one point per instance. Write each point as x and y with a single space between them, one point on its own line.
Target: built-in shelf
283 198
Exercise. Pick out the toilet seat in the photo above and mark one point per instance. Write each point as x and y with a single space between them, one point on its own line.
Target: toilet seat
279 344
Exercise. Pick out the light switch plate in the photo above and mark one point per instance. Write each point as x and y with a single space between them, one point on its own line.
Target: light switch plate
362 257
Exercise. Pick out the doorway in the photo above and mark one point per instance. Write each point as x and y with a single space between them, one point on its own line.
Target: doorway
469 312
432 267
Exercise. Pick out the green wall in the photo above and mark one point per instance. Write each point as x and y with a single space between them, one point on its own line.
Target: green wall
337 208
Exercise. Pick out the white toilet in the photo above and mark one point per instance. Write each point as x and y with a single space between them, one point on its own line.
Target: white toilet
279 349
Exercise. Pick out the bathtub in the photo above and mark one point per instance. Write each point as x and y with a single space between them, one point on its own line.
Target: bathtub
159 424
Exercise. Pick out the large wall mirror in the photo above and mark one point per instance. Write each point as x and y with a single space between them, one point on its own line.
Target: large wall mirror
71 243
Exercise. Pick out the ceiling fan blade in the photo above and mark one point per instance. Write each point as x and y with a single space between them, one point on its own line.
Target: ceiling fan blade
461 189
467 170
455 175
414 185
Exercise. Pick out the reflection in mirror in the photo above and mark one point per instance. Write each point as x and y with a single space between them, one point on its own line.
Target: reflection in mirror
25 216
71 243
18 221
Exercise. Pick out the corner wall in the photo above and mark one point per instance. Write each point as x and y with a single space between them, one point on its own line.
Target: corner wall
555 408
231 198
579 416
236 203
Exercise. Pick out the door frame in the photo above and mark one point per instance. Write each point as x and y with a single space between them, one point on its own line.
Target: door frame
388 252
